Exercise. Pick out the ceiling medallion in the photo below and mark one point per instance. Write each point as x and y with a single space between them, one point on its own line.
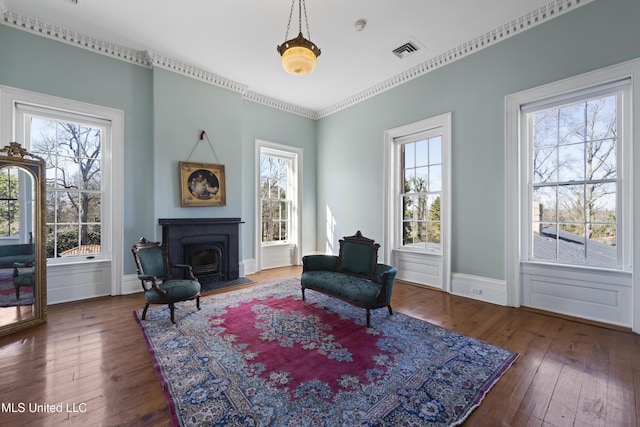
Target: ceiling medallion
299 55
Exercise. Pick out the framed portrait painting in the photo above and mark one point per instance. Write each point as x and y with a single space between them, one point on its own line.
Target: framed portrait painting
202 184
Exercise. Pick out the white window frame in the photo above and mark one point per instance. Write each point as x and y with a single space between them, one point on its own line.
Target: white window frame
290 191
12 128
24 114
614 288
400 143
288 250
418 266
623 220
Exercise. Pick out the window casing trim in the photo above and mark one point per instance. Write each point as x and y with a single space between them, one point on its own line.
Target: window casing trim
391 246
11 97
514 162
295 155
622 87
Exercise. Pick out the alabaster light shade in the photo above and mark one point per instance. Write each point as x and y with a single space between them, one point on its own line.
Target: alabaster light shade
299 55
299 60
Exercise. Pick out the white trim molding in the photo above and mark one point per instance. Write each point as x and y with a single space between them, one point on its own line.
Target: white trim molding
606 295
10 99
417 266
146 59
479 288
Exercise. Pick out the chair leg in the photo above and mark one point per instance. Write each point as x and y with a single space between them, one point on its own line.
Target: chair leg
368 318
302 294
198 302
144 312
390 311
172 309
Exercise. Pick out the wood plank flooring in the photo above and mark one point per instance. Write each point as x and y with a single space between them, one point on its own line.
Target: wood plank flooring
91 356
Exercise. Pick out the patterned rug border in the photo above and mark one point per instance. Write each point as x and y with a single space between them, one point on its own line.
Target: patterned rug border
8 294
252 293
225 285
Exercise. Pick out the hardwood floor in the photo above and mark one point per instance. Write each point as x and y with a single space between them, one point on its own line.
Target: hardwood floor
91 356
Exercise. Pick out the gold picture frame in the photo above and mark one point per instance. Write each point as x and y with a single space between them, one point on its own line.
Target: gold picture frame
202 184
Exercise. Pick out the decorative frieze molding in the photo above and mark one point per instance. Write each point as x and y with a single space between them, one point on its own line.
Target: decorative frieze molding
157 60
281 105
531 19
55 32
147 59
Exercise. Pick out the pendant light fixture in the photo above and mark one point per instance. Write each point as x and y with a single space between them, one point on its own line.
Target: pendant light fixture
299 55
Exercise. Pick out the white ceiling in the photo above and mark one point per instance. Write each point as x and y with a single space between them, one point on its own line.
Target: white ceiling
237 39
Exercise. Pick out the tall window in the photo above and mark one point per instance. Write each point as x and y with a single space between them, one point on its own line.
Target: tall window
73 154
421 191
9 203
276 197
575 179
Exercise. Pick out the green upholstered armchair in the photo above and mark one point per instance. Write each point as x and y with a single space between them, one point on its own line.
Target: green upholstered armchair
154 272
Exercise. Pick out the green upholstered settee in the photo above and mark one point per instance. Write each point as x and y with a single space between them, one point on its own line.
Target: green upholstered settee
354 276
10 254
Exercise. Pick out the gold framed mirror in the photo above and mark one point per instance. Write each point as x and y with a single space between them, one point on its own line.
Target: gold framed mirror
23 259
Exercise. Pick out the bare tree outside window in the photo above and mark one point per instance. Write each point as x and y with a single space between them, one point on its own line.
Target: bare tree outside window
9 204
274 184
73 155
574 182
421 193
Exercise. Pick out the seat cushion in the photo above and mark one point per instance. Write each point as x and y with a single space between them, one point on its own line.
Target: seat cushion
358 291
177 290
24 278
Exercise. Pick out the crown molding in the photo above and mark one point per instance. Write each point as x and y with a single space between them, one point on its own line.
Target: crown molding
281 105
151 59
157 60
44 29
517 26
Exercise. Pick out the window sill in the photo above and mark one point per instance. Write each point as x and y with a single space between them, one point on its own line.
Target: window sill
575 268
418 251
75 261
276 244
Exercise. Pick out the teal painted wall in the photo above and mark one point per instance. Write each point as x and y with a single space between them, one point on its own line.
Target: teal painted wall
164 114
343 153
350 142
267 124
38 64
183 107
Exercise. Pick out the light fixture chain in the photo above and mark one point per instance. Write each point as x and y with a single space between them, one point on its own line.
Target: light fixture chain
299 55
293 3
305 20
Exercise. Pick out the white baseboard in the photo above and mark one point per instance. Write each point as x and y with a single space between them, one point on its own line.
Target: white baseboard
131 284
247 266
479 288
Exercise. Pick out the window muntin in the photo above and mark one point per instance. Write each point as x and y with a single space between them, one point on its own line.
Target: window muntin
574 182
276 199
9 202
73 154
421 193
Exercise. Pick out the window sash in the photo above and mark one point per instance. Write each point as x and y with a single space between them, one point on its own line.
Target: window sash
61 229
276 229
420 226
571 235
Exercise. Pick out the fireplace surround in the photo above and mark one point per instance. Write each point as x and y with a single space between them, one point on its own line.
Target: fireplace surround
209 245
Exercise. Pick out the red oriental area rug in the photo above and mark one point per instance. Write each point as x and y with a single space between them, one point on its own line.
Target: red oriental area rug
262 356
8 292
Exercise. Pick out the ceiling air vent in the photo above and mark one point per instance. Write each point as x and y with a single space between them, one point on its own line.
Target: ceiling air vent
404 50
